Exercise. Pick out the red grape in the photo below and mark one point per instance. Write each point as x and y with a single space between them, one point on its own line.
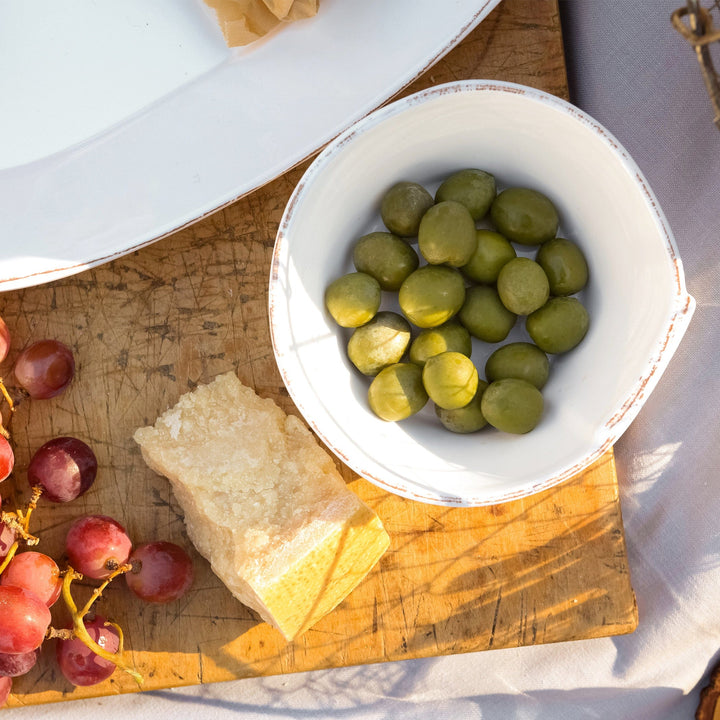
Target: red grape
24 618
45 368
35 572
4 340
7 458
161 572
79 664
65 467
7 538
96 545
16 665
5 687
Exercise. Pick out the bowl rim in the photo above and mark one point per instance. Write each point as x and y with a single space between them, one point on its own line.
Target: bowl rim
683 304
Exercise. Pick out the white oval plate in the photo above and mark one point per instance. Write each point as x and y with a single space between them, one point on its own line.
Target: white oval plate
123 124
636 298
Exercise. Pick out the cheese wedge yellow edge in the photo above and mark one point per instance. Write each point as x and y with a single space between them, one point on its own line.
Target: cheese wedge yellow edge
264 503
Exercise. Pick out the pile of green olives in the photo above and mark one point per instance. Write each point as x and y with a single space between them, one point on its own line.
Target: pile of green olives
467 264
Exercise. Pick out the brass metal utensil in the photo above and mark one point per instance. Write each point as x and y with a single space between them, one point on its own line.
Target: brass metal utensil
695 24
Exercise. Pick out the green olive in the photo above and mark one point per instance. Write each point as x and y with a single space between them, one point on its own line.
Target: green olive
475 189
559 325
466 419
397 392
525 216
431 295
512 405
379 343
433 341
447 234
484 315
450 379
403 206
519 360
565 266
386 257
493 251
523 286
353 299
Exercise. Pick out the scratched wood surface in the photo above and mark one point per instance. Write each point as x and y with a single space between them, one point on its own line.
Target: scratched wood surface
148 326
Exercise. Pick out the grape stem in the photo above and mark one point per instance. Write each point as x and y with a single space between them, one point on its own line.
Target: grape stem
24 517
62 634
97 592
8 557
5 432
79 629
14 522
20 522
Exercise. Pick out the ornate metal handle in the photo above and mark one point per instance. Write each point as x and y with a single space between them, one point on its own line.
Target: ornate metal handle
695 24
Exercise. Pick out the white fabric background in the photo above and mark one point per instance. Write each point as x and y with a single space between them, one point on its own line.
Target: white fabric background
632 72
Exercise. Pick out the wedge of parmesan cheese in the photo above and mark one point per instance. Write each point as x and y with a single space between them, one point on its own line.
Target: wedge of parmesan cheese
264 503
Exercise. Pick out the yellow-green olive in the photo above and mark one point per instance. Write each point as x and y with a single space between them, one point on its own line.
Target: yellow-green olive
433 341
450 379
403 206
565 266
397 392
519 360
431 295
474 188
484 315
386 257
447 234
525 216
523 286
353 299
492 252
559 325
379 343
466 419
512 405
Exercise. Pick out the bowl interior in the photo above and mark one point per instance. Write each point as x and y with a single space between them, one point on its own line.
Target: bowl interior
634 295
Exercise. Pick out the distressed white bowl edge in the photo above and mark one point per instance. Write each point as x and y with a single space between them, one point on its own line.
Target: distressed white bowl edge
611 427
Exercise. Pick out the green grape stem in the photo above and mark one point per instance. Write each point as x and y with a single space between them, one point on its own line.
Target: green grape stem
79 630
5 431
10 554
20 522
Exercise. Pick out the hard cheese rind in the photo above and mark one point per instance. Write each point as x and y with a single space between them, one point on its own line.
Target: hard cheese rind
264 503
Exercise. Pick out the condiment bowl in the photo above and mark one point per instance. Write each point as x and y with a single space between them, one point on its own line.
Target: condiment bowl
636 297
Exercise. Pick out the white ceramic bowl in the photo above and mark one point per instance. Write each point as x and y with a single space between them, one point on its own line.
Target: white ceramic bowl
636 297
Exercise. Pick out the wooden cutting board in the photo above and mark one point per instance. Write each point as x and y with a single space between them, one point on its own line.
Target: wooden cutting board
150 325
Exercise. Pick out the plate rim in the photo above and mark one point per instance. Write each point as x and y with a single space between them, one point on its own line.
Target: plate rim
13 280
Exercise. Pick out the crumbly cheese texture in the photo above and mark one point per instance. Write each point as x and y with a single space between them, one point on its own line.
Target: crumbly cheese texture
264 503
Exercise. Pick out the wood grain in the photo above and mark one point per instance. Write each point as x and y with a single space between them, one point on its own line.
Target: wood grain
150 325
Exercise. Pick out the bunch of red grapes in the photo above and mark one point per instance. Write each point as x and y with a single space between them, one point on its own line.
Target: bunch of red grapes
96 546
